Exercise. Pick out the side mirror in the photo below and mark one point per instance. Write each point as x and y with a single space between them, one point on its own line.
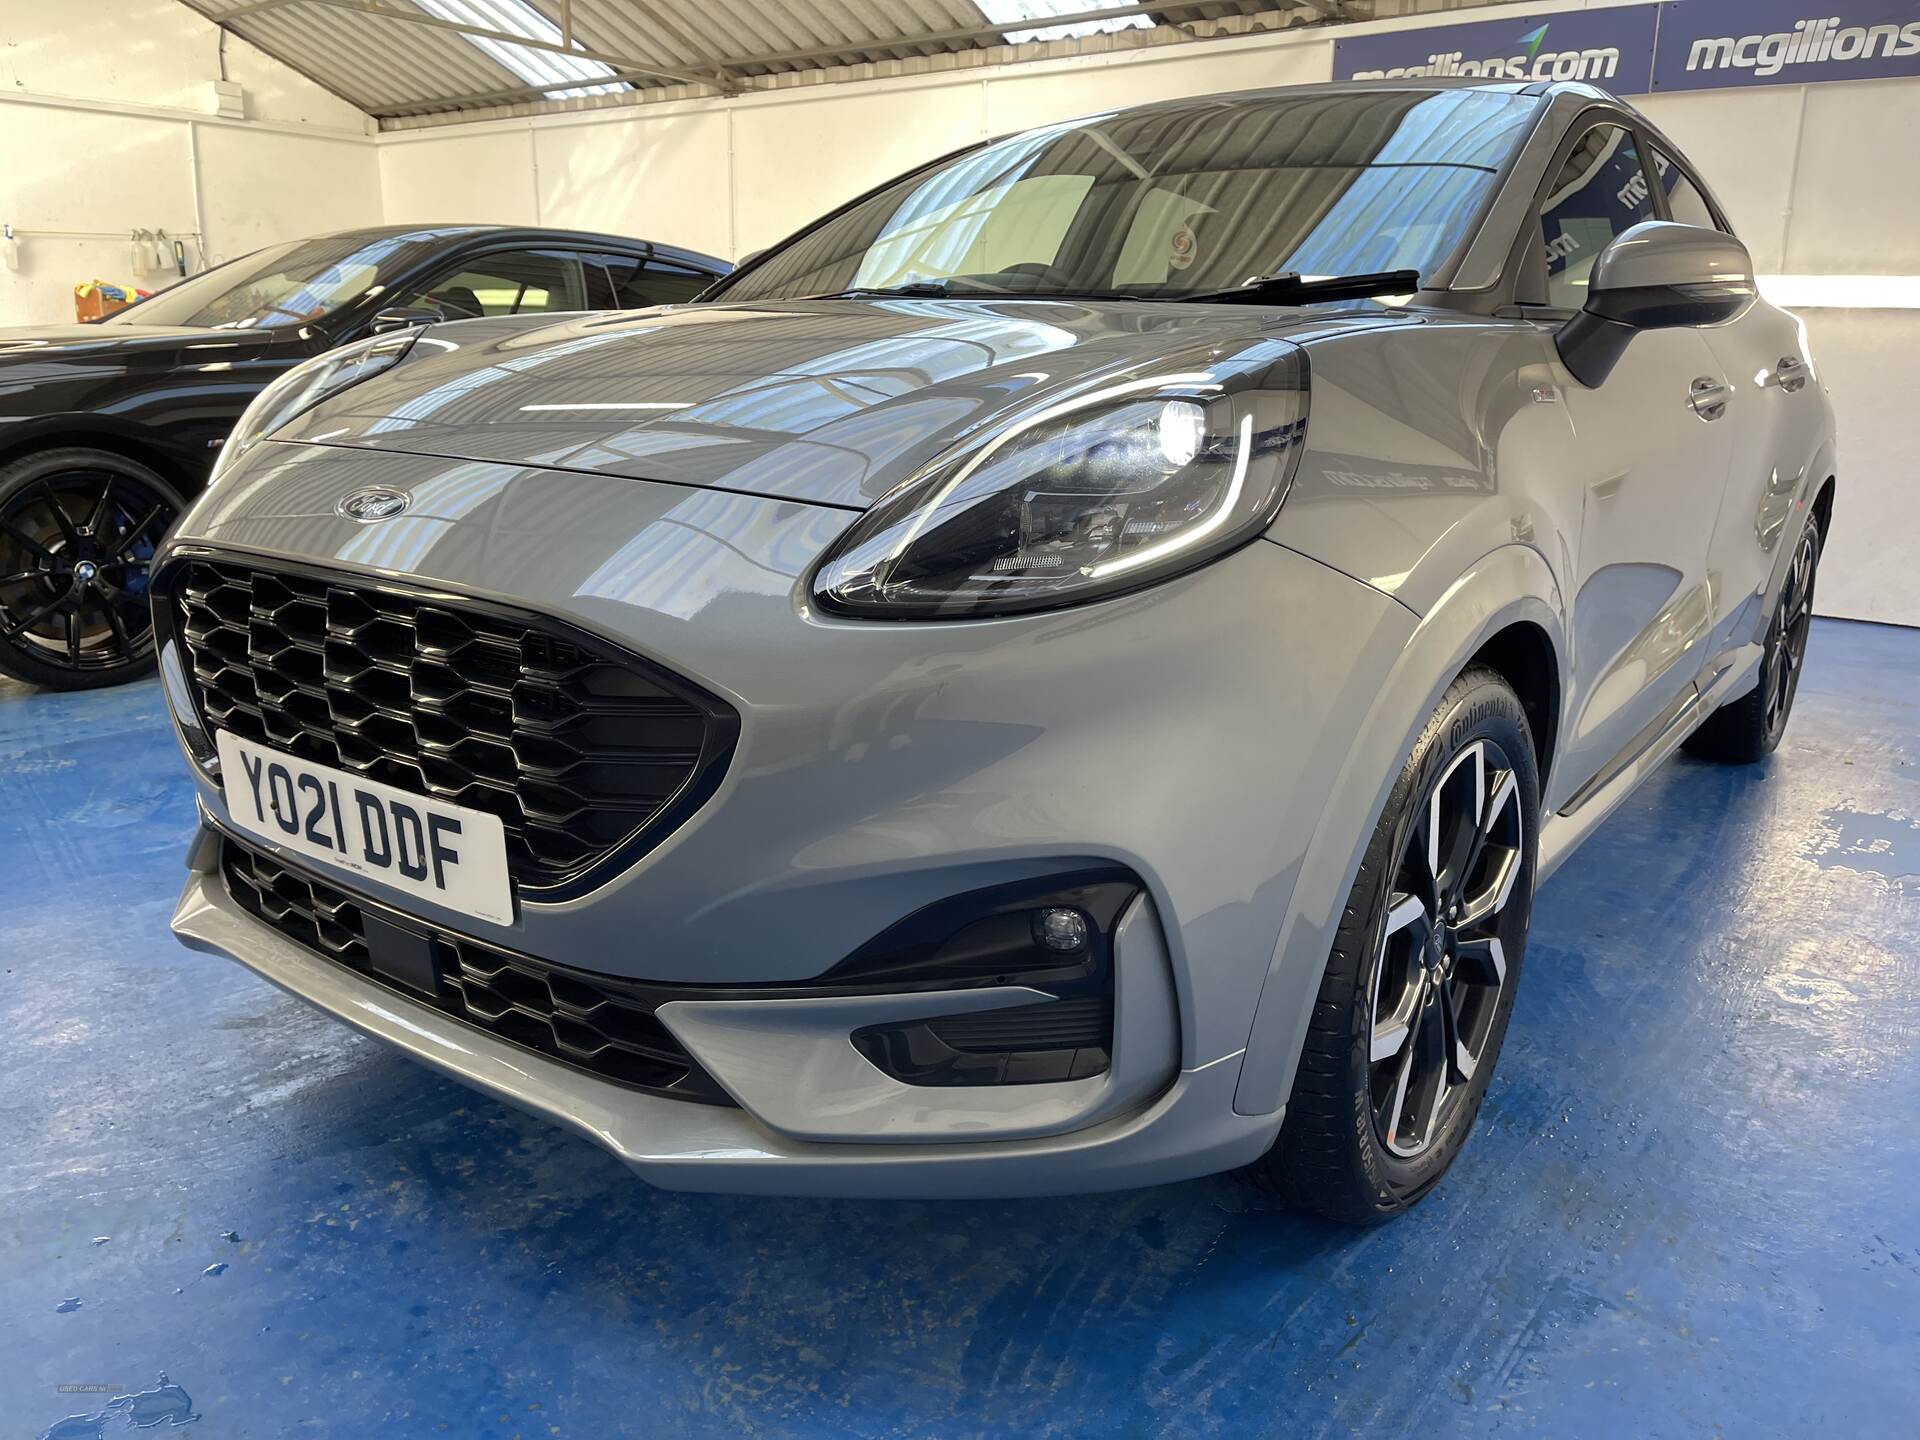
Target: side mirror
404 317
1657 276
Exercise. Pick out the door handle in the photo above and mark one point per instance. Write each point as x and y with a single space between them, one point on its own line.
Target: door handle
1790 374
1709 398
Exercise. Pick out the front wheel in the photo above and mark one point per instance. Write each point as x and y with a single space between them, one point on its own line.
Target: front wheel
1417 993
78 531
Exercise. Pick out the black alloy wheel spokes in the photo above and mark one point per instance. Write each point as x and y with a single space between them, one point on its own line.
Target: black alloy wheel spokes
1787 640
1441 968
75 550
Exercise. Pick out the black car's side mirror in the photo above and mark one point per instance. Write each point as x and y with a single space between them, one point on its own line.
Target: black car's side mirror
1657 276
403 317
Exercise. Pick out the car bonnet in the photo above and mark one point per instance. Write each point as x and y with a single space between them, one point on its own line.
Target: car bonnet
830 402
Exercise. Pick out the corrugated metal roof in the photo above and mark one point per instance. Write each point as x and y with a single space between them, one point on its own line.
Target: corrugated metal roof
405 66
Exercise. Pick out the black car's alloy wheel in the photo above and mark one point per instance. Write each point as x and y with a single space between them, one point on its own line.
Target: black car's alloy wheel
78 531
1419 987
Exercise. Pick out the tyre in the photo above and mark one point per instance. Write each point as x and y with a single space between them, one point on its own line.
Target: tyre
1749 729
78 529
1417 993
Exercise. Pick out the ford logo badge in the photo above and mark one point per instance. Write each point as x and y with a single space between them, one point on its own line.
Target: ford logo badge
377 503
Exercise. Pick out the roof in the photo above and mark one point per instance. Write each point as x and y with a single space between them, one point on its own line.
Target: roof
535 232
408 62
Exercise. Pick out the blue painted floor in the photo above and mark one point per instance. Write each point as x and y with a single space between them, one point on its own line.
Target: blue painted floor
1692 1207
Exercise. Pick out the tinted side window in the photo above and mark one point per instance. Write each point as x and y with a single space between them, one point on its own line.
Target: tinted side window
1684 200
635 286
515 282
660 283
1600 193
603 273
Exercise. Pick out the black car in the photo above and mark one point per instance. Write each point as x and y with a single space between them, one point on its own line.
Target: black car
107 428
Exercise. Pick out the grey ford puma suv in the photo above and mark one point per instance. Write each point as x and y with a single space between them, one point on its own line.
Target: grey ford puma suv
1064 674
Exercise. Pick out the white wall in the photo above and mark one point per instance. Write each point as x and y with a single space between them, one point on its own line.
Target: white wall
104 127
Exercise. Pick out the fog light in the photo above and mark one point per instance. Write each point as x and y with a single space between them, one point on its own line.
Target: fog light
1061 930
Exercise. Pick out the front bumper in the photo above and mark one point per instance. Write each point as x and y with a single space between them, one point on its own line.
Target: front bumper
1190 1129
1191 734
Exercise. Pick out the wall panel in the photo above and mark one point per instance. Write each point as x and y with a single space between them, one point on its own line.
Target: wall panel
483 177
665 179
793 160
1872 566
262 187
1744 143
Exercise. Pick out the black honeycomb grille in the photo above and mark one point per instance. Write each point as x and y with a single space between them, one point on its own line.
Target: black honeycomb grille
581 750
562 1014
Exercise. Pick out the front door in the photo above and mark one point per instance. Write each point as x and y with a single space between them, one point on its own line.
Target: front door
1650 454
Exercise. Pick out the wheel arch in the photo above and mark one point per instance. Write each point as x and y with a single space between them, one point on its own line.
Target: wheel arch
1523 655
1505 610
61 432
1823 508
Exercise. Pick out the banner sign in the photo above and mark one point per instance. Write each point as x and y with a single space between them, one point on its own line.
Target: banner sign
1609 48
1673 45
1713 44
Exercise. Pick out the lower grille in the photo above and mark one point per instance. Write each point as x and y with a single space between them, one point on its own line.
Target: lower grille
567 1015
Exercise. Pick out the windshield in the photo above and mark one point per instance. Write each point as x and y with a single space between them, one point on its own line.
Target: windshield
1175 200
289 284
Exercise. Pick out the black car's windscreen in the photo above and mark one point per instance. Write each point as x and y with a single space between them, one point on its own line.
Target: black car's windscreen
1179 199
290 284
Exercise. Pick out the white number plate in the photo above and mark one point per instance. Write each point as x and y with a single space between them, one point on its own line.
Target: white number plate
449 854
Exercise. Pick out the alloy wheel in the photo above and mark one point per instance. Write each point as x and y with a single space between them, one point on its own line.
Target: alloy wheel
1787 637
75 552
1440 974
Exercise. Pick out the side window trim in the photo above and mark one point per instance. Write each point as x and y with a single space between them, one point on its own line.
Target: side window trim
1532 237
1653 145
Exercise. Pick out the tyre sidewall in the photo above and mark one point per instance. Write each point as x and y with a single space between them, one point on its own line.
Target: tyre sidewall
30 470
1479 706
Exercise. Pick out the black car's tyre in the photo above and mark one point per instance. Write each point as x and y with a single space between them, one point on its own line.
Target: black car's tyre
78 529
1749 729
1417 993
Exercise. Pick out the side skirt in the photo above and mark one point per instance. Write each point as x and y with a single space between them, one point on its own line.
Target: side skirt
1562 833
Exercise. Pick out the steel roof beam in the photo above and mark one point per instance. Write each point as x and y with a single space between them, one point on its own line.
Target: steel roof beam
722 76
995 33
619 62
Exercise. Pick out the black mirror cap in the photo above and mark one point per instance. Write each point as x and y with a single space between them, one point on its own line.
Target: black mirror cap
1593 342
404 317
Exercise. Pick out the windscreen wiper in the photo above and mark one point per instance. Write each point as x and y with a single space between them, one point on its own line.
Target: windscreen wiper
1290 288
911 289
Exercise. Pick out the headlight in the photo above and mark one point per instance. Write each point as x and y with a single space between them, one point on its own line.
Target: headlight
1104 493
307 384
